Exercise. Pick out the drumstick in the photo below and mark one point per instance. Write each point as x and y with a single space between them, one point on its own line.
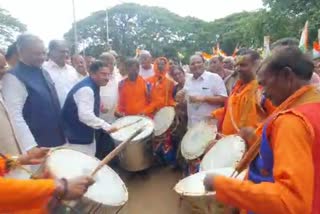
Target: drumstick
116 151
129 124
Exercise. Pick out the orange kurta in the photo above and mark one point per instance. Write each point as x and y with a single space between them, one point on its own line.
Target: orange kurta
24 196
160 89
291 139
133 97
243 108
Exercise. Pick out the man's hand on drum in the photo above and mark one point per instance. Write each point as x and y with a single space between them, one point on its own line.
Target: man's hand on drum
247 133
119 114
111 129
72 189
208 182
33 156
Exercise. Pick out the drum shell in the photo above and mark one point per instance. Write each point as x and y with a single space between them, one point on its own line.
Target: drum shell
203 204
86 205
137 155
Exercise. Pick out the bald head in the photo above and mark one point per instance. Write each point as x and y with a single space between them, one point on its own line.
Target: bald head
31 50
79 64
108 59
145 59
196 65
59 52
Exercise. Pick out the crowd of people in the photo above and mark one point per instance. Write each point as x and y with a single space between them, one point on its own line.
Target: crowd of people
50 100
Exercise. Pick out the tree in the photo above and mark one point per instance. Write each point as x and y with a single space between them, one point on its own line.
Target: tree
9 28
298 11
167 34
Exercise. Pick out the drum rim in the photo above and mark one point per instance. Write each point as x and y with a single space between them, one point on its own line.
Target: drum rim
183 193
168 108
203 168
197 154
134 140
123 185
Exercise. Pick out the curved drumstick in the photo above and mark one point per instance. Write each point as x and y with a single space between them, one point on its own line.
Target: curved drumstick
117 150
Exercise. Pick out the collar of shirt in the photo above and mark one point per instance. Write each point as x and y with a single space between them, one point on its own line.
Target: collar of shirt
203 76
54 65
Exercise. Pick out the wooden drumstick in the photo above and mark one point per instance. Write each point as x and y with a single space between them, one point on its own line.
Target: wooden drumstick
116 151
126 125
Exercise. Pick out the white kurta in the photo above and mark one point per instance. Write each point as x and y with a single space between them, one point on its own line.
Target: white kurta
64 78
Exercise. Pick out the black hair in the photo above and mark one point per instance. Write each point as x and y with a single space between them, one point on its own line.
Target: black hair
96 66
131 62
11 51
177 67
291 56
54 44
254 55
288 41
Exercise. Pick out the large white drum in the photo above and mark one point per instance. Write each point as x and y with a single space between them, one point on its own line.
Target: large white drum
227 152
192 191
197 139
107 195
163 120
137 155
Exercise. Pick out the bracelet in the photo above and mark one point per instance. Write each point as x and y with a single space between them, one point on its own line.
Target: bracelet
65 189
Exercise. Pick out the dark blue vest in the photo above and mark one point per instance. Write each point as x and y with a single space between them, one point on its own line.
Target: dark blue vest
41 110
261 169
76 131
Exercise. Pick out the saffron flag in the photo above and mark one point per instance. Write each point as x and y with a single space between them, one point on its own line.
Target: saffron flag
303 45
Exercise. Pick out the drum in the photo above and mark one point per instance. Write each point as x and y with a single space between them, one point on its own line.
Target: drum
107 195
197 139
192 191
18 174
227 152
163 120
137 155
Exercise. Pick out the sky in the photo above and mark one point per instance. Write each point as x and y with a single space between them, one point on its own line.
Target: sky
50 19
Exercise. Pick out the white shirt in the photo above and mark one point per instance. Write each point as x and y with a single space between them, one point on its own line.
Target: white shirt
145 74
208 84
109 99
15 95
84 99
64 78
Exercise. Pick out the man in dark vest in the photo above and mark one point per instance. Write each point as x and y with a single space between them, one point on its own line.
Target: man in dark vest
81 110
31 98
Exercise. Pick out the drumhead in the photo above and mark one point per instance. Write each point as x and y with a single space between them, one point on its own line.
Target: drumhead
18 174
197 139
108 188
123 134
193 185
227 152
163 120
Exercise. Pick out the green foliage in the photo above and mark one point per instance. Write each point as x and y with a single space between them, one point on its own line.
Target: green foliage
9 28
167 34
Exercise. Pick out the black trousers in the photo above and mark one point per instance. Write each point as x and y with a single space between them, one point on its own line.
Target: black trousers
104 145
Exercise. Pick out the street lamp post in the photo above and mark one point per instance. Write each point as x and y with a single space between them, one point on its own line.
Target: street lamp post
75 33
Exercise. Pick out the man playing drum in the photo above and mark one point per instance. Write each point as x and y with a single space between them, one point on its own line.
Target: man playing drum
244 107
160 94
34 196
284 177
81 110
132 92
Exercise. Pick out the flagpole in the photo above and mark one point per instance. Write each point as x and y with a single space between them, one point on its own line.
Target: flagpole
75 33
